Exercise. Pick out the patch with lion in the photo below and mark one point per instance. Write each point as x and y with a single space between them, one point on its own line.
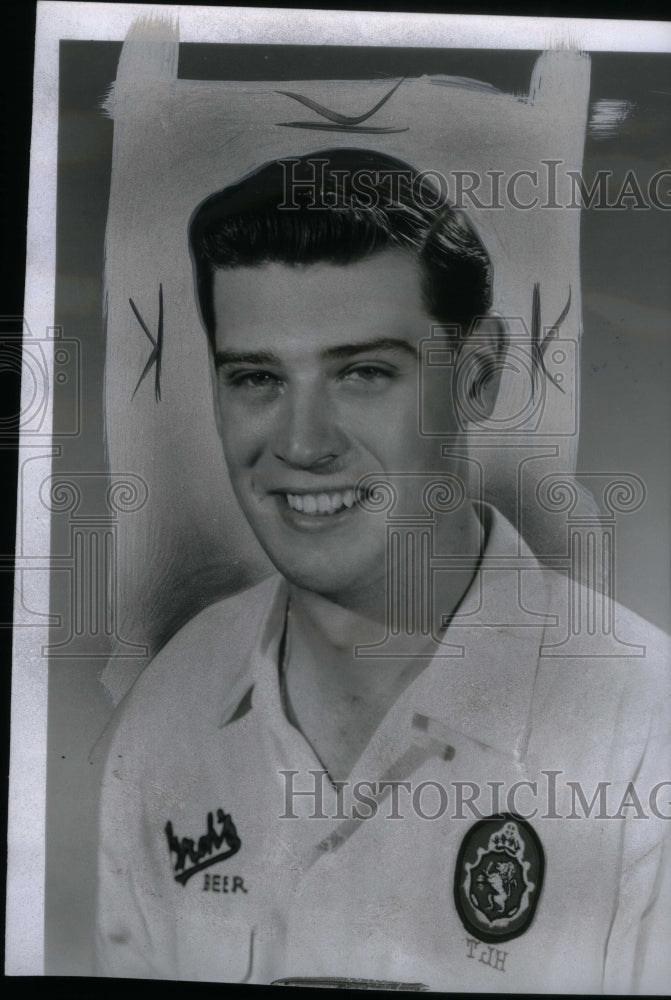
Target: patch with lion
499 877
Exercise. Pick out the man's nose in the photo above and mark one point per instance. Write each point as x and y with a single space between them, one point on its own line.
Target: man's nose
307 435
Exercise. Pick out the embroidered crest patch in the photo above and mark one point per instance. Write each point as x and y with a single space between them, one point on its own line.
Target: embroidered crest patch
499 878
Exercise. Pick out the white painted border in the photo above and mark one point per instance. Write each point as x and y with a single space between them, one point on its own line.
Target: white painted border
286 26
110 22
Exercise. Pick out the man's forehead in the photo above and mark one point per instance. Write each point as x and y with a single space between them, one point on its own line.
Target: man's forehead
320 306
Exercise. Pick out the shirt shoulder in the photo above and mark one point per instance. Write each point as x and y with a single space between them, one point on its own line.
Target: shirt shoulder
595 627
203 663
604 675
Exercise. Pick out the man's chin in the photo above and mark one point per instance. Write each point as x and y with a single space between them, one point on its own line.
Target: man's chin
333 586
342 585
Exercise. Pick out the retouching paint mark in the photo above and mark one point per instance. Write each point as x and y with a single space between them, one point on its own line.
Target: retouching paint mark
323 127
538 347
465 83
341 123
155 356
607 117
431 739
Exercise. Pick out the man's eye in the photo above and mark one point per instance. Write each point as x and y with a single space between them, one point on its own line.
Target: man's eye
367 375
252 380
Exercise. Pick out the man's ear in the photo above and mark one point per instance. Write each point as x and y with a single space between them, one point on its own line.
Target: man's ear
481 361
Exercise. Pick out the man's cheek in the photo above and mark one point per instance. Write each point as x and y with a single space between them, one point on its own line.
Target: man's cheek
238 469
238 438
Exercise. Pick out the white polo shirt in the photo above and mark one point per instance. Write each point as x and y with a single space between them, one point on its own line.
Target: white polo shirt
214 866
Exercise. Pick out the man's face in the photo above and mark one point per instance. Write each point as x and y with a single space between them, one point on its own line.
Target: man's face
317 386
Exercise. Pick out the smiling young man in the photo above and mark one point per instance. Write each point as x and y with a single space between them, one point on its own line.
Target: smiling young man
365 767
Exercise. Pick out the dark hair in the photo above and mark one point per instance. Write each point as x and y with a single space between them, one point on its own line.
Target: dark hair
340 206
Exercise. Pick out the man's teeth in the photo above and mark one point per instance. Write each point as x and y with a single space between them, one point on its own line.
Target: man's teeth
320 503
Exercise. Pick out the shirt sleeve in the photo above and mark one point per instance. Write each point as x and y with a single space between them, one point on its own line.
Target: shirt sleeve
638 958
654 960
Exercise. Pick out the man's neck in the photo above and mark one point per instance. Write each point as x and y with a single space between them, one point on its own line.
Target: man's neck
336 694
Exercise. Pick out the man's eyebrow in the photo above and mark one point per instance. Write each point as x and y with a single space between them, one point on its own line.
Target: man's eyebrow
341 351
245 358
381 344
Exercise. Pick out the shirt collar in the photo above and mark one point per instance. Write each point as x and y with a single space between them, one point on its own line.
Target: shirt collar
271 599
483 688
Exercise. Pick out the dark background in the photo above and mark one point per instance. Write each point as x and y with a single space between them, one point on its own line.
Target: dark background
625 407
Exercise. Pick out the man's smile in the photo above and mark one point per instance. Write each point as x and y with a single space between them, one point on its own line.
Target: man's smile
322 503
316 511
317 508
